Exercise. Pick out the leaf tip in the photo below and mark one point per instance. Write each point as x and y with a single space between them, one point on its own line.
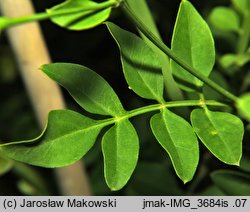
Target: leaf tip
237 163
185 181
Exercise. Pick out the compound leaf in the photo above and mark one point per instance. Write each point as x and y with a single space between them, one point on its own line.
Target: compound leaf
221 133
67 138
141 66
231 182
89 89
79 14
193 43
143 12
243 105
120 148
177 137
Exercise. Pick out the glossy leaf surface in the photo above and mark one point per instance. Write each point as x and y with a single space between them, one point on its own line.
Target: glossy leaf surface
141 66
89 89
120 148
221 133
79 14
67 138
177 137
193 43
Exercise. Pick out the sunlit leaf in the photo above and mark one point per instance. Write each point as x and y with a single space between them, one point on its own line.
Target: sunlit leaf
89 89
79 14
221 133
176 136
231 182
225 19
193 43
141 66
120 150
67 138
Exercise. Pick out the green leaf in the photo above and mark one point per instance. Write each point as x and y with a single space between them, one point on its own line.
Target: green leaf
243 106
80 14
245 163
242 5
89 89
120 148
32 177
221 133
5 165
176 136
231 182
27 188
209 93
193 43
67 138
211 191
225 19
143 12
141 66
228 63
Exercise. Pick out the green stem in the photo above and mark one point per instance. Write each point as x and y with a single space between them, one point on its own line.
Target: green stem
6 22
136 112
173 56
184 103
245 35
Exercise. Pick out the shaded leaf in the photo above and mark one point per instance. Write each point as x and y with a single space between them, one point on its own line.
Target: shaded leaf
27 188
143 12
228 63
5 165
245 163
243 105
176 136
120 151
32 178
231 182
89 89
210 93
225 19
141 66
67 138
79 14
193 43
221 133
211 191
242 5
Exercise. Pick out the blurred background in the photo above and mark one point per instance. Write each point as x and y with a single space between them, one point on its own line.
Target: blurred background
95 48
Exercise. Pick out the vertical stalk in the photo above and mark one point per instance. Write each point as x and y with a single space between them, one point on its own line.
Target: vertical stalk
31 52
243 42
